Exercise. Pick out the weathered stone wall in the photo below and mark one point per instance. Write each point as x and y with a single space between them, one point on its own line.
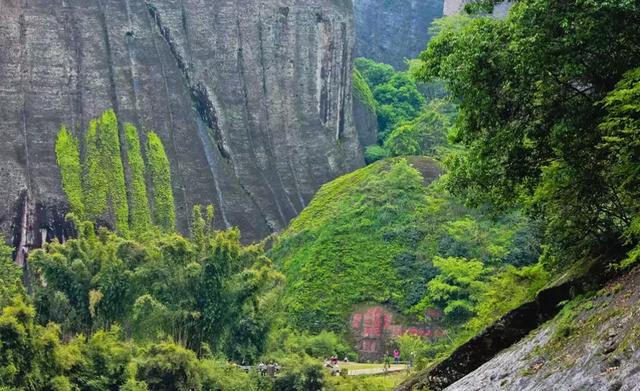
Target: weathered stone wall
601 352
391 31
252 99
366 121
374 329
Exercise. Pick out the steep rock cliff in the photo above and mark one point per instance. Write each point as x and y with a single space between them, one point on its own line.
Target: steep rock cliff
364 117
364 112
592 345
391 31
252 100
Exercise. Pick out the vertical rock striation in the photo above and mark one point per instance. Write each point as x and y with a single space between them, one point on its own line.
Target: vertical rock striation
391 31
252 99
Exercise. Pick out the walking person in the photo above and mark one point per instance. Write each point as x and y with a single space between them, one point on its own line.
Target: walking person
396 357
387 361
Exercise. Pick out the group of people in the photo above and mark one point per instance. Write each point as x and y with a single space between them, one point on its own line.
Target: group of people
332 364
268 369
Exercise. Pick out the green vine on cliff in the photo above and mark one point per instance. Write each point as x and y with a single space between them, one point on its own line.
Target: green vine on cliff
97 188
117 205
68 159
159 169
140 214
362 91
94 181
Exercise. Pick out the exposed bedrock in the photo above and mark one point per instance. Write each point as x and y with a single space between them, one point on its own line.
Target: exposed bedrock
252 99
507 331
366 122
452 7
391 31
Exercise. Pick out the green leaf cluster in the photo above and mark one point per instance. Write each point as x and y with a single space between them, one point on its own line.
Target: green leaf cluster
545 118
106 194
362 90
409 125
456 289
139 203
10 276
68 159
34 357
426 135
394 95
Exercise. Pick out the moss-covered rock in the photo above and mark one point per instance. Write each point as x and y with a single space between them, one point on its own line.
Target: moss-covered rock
163 204
139 209
592 344
97 188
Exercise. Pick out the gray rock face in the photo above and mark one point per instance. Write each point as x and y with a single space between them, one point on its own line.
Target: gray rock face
598 350
251 98
365 121
501 10
391 31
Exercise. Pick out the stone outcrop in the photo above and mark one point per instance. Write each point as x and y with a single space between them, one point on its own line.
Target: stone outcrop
252 100
365 120
374 329
471 357
597 347
391 31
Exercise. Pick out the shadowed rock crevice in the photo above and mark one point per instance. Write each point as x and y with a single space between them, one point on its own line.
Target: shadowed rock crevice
199 94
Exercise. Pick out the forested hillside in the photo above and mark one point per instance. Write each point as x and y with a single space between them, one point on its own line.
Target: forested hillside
388 233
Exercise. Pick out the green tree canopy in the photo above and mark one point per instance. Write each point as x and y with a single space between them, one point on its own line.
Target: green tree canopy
528 88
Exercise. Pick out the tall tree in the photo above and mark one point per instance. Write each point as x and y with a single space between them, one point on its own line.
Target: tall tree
528 88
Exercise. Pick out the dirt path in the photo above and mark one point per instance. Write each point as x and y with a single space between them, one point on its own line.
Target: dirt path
375 371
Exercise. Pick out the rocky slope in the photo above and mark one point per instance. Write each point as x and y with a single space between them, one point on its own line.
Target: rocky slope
251 98
364 117
592 345
391 31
